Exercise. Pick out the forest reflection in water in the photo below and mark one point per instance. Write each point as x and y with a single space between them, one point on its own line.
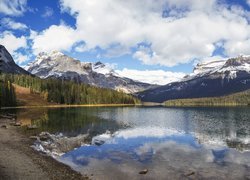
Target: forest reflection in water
168 141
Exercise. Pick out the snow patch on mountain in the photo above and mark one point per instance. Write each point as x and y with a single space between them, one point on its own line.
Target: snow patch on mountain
228 67
105 69
209 79
59 65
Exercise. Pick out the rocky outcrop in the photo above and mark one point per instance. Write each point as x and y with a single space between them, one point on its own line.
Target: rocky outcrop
59 65
7 64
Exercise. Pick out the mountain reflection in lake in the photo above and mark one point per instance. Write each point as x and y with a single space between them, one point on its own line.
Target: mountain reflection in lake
169 142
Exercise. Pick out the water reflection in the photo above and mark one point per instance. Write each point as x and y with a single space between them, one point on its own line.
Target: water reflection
69 121
166 153
169 142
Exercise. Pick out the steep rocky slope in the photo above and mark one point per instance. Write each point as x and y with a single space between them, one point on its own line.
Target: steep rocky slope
7 64
59 65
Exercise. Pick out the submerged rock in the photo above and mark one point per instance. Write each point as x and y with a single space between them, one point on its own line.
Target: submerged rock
57 144
98 142
101 139
45 136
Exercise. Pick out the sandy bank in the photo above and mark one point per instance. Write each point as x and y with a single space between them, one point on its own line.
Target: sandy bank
19 161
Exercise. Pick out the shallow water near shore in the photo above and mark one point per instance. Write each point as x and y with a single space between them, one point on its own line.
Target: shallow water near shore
168 142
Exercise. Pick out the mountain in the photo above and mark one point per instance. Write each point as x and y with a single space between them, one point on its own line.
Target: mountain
7 64
59 65
210 79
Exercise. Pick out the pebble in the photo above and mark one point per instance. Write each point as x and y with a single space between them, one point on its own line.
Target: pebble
4 126
190 173
17 124
34 137
144 171
30 127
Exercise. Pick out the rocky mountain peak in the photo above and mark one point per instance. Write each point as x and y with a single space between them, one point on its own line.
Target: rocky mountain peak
238 61
207 66
59 65
7 63
209 79
5 55
99 64
227 67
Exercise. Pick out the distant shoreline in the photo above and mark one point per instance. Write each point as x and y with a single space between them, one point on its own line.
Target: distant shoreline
129 105
72 105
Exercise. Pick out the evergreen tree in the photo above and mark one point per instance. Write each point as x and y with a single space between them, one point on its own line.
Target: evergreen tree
62 92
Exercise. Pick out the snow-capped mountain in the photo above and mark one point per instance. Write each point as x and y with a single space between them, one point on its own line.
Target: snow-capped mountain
59 65
7 64
101 68
210 79
228 67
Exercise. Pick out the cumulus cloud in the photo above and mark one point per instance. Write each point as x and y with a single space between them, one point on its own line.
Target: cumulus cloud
13 7
159 77
11 24
20 58
11 42
56 37
47 12
117 51
175 31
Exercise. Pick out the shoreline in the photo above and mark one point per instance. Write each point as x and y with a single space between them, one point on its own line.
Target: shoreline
126 105
73 105
19 161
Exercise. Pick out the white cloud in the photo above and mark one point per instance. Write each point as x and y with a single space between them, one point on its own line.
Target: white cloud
11 42
33 34
235 48
48 12
151 76
117 51
210 59
248 2
11 24
13 7
190 29
20 58
56 37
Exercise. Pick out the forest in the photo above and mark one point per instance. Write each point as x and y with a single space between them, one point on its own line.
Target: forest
7 93
60 91
236 99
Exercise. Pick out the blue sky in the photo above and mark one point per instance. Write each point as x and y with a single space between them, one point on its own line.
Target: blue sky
161 36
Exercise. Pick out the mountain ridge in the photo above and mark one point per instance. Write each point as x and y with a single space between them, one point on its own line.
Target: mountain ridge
210 79
7 63
59 65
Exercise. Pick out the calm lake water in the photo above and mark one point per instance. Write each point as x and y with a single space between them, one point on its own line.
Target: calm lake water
172 143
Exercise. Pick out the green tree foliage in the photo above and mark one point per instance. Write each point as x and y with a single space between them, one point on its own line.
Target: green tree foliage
7 93
68 92
236 99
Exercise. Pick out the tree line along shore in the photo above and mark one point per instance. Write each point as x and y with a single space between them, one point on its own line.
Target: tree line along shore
236 99
63 93
59 92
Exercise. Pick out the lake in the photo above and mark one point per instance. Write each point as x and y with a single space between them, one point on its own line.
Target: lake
171 143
